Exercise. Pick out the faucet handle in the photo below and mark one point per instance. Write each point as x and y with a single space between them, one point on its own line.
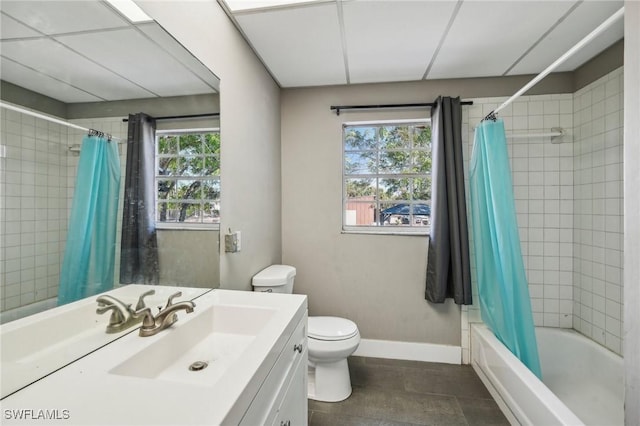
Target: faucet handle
141 305
116 316
148 321
173 296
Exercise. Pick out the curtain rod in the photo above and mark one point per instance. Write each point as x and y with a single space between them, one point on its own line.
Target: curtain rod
181 117
337 108
593 34
93 132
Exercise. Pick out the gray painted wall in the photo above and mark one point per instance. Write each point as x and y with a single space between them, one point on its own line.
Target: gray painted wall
375 280
602 64
156 107
632 212
9 92
188 258
250 132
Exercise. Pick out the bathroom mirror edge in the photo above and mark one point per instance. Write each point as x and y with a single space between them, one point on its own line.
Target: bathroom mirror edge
20 283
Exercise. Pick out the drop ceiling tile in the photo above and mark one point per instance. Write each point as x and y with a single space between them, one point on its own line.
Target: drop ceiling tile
300 46
132 55
40 83
156 33
240 5
53 17
393 41
488 37
10 28
596 46
586 17
50 58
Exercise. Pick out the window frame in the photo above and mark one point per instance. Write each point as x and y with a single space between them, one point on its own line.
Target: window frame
378 230
157 178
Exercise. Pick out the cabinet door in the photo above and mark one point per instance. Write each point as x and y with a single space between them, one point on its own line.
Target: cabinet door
294 408
264 408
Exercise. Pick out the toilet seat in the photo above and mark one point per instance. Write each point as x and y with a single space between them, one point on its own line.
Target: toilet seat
331 328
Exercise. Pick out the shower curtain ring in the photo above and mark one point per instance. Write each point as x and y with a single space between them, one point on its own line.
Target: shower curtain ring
491 116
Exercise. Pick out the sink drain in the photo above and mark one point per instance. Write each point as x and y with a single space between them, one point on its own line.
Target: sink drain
198 365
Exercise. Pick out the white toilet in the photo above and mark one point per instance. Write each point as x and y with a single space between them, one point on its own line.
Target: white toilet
330 340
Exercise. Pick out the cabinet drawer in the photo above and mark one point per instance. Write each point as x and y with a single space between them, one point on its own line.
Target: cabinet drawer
263 409
293 408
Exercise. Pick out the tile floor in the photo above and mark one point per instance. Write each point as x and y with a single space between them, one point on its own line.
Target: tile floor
392 393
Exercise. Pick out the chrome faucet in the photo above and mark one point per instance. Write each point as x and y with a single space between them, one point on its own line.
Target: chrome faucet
165 318
122 315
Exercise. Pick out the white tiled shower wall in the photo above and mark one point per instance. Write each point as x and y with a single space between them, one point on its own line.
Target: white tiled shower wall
598 207
38 179
542 174
34 188
569 205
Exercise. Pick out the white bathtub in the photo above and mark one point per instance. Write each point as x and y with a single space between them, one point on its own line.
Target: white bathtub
24 311
583 382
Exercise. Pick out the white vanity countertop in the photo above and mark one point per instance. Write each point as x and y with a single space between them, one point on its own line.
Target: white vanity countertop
38 345
119 383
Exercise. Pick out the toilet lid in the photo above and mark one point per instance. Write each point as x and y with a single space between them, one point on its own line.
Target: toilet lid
331 328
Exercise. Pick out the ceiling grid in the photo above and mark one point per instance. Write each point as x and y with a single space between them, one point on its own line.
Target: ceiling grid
443 38
88 58
386 41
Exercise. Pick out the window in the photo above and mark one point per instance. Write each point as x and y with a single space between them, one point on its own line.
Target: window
188 178
387 177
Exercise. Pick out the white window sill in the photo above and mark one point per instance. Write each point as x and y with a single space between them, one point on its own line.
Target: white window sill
389 232
187 227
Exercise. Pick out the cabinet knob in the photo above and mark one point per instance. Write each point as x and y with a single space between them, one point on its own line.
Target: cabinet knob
298 348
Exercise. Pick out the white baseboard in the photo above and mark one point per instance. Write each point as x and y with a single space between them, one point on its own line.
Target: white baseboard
410 351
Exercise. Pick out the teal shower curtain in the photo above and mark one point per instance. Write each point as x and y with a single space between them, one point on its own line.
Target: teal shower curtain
89 257
503 291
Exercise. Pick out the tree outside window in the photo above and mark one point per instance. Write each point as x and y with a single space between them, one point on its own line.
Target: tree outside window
387 175
188 177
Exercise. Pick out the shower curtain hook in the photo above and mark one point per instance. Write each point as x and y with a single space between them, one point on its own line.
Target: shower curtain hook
491 116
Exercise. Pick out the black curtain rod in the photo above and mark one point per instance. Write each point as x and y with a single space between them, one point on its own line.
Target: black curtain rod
337 108
178 117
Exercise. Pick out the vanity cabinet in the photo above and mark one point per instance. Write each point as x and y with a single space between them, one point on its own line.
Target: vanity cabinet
293 410
282 398
254 345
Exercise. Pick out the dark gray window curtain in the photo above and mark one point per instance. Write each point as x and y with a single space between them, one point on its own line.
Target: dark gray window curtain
139 246
448 271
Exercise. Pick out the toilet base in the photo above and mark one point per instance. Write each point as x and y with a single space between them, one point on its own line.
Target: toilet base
329 382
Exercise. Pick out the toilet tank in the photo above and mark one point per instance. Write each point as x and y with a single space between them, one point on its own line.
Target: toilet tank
275 279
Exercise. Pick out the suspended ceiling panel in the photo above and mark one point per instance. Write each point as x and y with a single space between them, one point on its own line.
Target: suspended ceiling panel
305 43
177 51
583 19
10 28
52 59
301 46
83 51
477 44
240 5
391 41
42 83
57 17
138 59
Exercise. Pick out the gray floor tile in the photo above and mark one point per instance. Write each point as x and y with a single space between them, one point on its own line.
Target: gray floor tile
482 412
460 384
397 406
379 376
325 419
391 393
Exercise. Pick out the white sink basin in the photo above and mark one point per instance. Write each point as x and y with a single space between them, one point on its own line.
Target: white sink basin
146 380
215 337
38 345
